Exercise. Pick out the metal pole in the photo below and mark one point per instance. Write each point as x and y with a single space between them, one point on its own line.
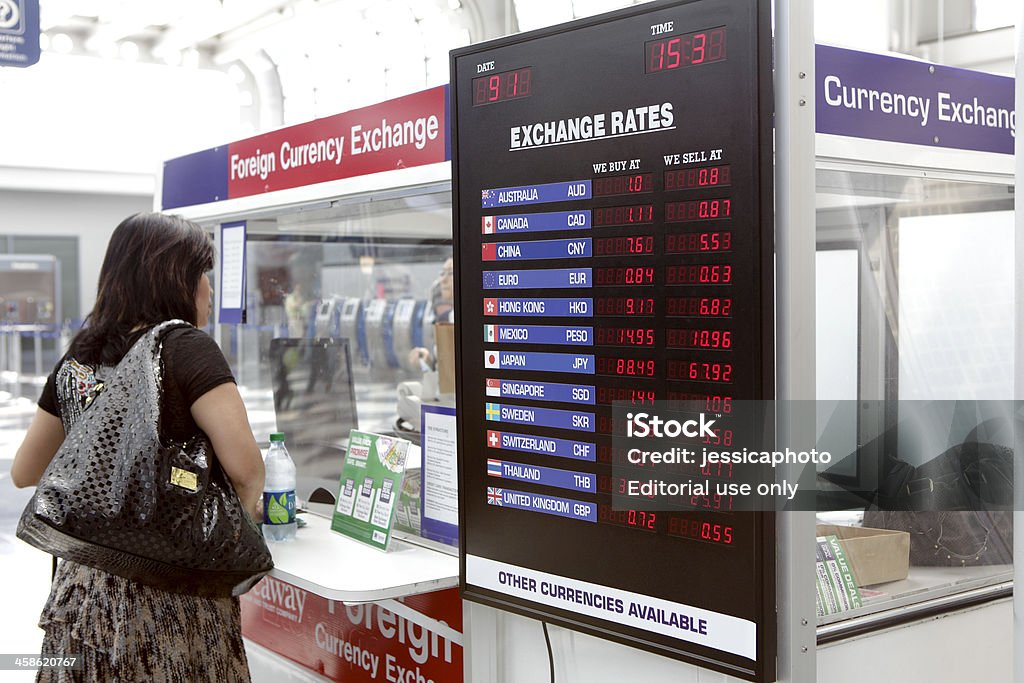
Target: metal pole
795 339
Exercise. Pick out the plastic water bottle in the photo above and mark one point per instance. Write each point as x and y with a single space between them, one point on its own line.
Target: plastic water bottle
279 492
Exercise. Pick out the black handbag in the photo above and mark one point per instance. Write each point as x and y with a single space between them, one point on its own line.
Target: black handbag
119 498
957 507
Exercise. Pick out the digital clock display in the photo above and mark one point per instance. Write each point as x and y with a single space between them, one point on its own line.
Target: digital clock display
634 183
637 214
508 85
703 176
698 242
624 306
698 210
630 245
689 49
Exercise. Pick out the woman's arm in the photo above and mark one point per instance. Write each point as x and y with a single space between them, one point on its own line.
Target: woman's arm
221 414
44 436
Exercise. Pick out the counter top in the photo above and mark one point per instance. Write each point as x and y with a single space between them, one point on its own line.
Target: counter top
339 568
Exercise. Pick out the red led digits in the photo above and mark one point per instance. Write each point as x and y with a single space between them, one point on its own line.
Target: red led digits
703 176
629 275
698 307
637 214
698 338
508 85
700 371
626 367
629 245
700 530
690 49
698 210
624 306
634 183
698 242
698 274
624 336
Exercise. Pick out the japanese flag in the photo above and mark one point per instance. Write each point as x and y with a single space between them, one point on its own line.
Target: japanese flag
487 225
491 359
494 387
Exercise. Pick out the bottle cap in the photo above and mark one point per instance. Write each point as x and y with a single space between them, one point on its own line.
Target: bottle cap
276 436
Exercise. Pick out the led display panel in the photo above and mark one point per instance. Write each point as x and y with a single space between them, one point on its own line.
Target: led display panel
613 232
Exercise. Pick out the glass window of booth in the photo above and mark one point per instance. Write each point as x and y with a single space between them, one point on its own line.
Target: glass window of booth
342 301
915 371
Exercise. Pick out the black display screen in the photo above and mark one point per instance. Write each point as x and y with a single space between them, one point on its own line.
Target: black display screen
625 258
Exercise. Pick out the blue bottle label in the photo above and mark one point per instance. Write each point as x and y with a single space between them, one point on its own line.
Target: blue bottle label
278 507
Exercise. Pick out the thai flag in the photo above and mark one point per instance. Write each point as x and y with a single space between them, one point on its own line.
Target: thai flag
487 225
493 411
493 387
493 439
490 307
493 468
491 360
493 496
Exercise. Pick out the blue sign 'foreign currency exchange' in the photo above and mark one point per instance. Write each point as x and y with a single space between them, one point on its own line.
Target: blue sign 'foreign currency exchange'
19 32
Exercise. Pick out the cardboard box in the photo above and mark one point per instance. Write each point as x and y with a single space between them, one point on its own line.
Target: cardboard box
444 339
875 555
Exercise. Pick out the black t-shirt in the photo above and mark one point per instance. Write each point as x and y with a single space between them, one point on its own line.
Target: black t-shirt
193 365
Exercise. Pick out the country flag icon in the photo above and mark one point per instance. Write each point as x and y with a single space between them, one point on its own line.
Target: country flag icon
493 387
490 307
488 252
493 412
490 333
493 496
491 359
493 439
490 279
487 225
493 468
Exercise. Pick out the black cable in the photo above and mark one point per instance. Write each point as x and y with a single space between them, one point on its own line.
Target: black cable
551 657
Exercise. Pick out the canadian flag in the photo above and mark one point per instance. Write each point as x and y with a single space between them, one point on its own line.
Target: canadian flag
487 225
494 387
491 360
490 332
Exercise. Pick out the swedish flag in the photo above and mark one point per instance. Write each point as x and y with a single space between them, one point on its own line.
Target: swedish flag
493 411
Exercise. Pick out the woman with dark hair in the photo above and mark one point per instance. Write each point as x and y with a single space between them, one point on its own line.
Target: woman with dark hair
154 270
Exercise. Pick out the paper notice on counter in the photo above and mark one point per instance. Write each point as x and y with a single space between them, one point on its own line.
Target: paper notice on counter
371 479
232 273
440 474
837 590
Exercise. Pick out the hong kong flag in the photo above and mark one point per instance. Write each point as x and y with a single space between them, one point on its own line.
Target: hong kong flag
487 225
490 307
488 252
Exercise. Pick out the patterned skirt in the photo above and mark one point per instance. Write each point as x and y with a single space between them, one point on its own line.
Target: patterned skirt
126 632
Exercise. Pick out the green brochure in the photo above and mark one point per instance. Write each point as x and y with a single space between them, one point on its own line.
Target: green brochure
371 482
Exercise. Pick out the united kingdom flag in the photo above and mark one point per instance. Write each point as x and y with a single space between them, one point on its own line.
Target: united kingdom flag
494 496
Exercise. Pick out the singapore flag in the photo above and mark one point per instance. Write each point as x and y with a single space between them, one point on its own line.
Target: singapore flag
494 387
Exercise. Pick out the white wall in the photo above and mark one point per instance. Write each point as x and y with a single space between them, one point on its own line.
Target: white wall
90 217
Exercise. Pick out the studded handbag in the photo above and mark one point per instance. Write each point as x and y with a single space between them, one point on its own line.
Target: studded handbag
118 497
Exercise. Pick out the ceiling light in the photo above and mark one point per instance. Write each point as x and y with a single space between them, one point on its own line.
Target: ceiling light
454 4
129 50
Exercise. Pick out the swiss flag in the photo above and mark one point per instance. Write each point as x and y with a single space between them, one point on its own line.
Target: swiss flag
494 387
487 225
488 252
490 307
493 439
